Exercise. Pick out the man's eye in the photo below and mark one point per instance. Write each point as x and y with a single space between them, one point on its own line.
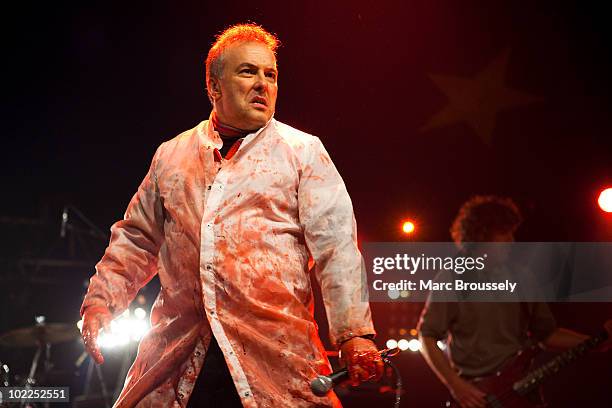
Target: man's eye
271 75
247 71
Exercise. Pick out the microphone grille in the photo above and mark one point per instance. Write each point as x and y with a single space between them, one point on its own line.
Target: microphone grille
321 385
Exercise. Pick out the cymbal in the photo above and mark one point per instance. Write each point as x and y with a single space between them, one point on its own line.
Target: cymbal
51 333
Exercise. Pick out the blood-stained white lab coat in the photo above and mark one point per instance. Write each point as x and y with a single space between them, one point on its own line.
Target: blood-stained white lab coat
230 240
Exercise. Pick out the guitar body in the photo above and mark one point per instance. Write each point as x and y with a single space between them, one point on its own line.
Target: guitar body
498 386
516 386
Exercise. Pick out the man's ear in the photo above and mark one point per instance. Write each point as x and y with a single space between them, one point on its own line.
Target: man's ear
214 88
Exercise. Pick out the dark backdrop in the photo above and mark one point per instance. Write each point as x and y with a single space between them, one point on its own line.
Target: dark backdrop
421 104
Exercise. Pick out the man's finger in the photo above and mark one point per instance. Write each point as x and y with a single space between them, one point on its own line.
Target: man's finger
465 403
474 403
608 327
92 348
479 394
106 322
90 339
360 373
354 377
380 369
477 401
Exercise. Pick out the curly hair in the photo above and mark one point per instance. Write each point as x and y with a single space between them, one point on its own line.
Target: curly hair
483 216
231 35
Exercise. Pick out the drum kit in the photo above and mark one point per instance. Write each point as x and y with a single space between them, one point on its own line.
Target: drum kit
40 336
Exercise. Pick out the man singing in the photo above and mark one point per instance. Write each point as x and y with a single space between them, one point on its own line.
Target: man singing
228 216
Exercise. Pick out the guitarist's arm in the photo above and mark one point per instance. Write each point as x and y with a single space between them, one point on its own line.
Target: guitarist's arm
562 339
467 395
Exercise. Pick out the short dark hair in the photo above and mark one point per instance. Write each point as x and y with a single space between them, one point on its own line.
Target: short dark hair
482 216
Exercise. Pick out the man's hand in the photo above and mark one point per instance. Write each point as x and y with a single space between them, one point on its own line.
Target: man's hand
467 395
95 318
606 345
362 359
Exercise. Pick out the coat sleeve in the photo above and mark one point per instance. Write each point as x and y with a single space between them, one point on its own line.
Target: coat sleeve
130 260
326 216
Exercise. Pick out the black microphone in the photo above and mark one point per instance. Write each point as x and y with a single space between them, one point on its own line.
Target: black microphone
324 383
64 222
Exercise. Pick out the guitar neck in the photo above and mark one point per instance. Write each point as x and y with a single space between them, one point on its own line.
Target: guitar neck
535 377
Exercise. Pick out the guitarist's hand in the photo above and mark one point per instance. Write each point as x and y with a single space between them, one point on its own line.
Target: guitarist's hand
607 345
466 394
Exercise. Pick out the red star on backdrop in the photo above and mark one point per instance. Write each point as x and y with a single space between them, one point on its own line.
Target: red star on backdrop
478 100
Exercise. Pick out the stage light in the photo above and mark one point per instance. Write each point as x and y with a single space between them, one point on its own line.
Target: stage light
605 200
391 343
393 293
140 313
413 332
408 227
123 329
139 329
80 325
441 345
403 344
414 345
113 339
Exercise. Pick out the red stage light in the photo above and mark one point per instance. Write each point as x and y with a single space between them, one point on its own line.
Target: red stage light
408 227
605 200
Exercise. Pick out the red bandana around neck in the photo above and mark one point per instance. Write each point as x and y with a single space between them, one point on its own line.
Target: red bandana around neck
227 130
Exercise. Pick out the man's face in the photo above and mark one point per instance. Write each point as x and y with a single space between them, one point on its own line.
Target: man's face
245 95
498 253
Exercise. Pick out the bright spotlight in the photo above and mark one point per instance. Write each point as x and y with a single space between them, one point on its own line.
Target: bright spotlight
393 293
140 313
408 227
414 345
605 200
123 330
402 344
138 330
105 341
80 325
391 343
441 345
112 340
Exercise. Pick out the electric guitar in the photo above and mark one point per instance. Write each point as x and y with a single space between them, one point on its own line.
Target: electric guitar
516 386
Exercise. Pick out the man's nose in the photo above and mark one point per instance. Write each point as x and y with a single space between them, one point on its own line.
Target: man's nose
260 82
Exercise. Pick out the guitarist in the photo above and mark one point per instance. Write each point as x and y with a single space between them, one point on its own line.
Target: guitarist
484 336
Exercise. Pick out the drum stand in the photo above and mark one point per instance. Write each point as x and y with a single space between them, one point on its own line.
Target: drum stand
92 366
42 345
